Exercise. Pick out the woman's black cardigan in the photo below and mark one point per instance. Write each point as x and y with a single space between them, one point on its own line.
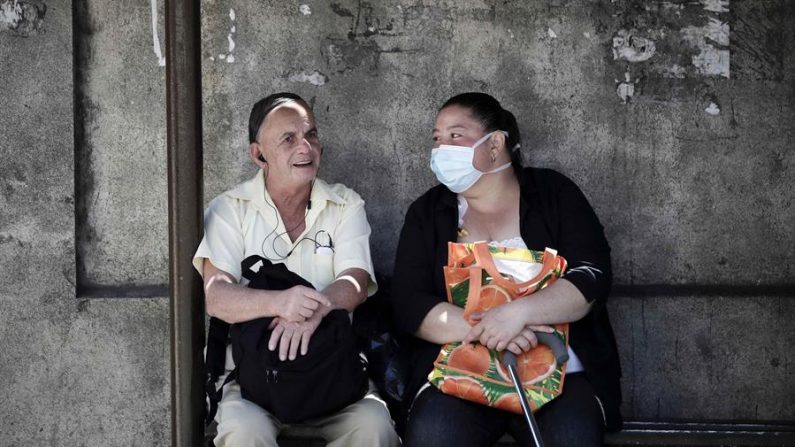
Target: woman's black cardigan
553 213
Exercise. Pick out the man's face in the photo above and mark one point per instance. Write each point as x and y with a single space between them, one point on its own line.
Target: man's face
288 141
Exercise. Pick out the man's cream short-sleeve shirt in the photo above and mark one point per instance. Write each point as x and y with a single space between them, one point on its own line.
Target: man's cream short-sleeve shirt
243 222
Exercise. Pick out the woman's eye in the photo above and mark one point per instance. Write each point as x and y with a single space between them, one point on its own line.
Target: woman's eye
435 138
455 135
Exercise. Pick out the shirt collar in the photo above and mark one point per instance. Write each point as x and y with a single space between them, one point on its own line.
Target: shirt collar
254 190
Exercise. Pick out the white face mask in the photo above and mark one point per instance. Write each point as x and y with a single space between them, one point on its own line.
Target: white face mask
453 165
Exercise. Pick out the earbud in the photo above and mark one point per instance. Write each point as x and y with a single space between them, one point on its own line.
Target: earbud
309 205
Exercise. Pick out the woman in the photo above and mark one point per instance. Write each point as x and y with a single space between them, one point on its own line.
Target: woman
486 195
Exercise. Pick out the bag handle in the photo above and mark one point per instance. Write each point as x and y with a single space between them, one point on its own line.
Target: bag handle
473 297
484 259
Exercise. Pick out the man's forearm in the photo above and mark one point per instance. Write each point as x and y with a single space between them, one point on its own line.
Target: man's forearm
234 303
347 291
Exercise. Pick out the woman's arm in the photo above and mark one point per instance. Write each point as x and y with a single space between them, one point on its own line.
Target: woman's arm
444 324
417 305
561 302
580 239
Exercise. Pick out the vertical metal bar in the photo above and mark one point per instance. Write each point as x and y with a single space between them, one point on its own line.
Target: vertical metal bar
183 115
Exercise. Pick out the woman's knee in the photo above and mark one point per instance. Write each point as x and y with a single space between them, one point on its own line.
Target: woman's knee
573 419
373 423
440 420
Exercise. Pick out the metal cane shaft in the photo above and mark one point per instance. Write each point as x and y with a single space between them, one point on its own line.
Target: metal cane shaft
510 361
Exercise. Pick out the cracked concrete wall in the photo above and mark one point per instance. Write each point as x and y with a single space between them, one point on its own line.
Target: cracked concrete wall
675 118
121 158
75 371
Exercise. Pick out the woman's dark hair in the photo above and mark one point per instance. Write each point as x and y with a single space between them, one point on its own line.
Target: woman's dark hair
264 106
488 111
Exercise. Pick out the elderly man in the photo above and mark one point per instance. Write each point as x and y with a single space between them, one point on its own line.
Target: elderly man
319 231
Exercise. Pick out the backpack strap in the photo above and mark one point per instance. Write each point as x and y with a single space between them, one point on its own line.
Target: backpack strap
214 396
215 359
248 263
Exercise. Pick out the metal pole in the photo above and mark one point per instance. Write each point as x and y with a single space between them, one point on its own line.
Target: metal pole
186 310
510 362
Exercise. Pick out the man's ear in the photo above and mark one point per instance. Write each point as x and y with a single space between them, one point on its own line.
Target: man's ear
256 155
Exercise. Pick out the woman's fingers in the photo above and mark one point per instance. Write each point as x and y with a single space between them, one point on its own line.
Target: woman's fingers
522 343
530 337
474 334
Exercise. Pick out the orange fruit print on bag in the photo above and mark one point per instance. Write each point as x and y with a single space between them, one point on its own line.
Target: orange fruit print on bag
474 372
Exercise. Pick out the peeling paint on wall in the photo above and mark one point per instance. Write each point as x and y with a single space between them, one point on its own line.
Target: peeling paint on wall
161 60
229 56
314 78
666 42
716 5
552 33
713 109
24 18
712 41
305 10
628 46
626 88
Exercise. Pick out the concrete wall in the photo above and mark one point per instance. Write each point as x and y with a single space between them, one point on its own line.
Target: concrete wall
675 118
75 371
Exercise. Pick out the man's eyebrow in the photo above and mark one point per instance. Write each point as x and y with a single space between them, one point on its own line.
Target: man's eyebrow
289 133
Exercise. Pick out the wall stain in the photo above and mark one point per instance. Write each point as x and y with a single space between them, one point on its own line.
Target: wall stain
23 18
759 39
86 113
703 345
340 10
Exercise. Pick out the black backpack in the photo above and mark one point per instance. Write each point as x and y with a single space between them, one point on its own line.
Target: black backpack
332 374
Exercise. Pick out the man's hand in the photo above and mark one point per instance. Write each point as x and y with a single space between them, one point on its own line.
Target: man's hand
290 335
299 303
502 328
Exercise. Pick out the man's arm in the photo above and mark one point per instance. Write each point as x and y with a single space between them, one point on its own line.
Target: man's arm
348 290
233 303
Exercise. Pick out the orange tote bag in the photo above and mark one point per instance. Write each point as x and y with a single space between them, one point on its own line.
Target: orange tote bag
474 283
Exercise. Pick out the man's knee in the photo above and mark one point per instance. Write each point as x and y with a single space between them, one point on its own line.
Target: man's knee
371 424
247 426
245 435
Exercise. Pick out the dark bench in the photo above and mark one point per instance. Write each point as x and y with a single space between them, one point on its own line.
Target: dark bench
647 433
634 432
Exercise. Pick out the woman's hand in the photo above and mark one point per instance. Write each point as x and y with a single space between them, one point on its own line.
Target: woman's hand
504 328
526 340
